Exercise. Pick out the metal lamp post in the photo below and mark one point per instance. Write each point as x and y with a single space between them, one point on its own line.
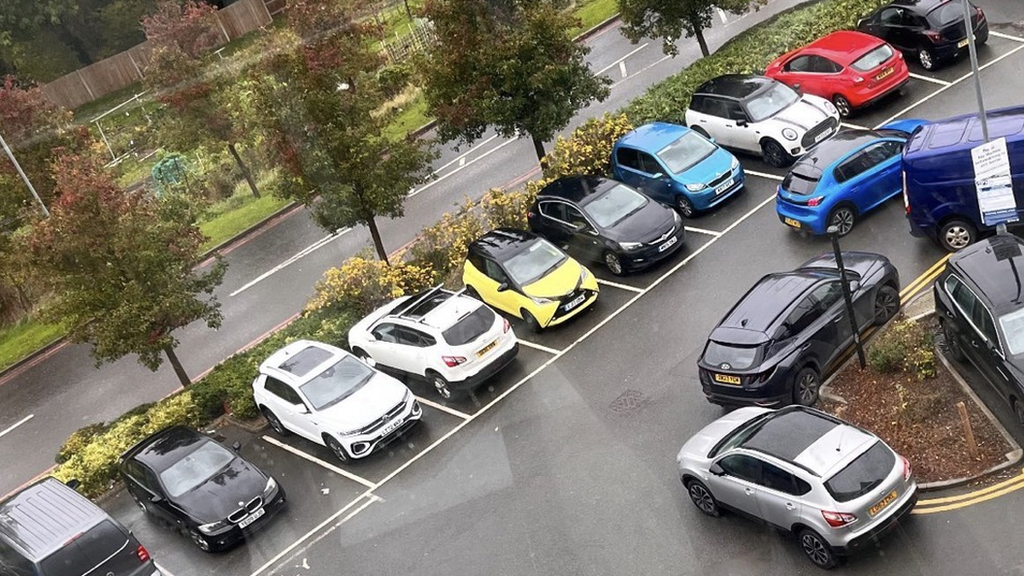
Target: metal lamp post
833 232
21 173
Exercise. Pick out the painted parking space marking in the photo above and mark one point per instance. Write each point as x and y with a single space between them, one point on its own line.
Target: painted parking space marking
162 570
443 408
315 460
854 126
924 279
622 69
703 231
763 175
11 428
626 287
1005 36
929 79
540 347
936 505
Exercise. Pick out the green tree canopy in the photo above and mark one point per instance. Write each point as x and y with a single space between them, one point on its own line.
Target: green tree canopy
671 19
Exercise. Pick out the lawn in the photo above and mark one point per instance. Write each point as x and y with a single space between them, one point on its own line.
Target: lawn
593 12
238 213
24 338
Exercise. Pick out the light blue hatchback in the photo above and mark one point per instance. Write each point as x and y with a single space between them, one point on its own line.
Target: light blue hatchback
677 166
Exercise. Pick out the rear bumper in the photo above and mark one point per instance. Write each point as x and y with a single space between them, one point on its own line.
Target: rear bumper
488 371
810 219
873 535
950 50
870 97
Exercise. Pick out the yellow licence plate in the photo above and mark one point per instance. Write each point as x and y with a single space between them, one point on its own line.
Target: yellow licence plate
887 72
962 43
486 349
791 222
889 499
727 379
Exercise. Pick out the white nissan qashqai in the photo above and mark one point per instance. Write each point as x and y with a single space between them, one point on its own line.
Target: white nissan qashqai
760 115
328 396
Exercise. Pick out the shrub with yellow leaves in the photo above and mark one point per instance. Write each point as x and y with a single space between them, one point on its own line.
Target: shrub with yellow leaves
362 285
588 150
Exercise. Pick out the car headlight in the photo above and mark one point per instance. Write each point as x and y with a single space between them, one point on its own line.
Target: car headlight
630 245
540 300
584 274
789 134
830 108
677 218
695 187
213 526
270 488
735 163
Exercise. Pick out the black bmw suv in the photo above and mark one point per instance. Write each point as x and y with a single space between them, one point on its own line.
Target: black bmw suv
791 329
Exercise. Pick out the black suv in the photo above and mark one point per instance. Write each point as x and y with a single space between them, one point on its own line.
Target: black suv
48 529
791 328
980 304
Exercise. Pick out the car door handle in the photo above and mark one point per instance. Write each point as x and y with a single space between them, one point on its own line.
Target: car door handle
748 491
974 343
790 506
805 346
949 314
703 121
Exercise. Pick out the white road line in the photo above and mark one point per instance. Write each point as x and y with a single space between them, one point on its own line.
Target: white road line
622 69
944 88
644 69
162 570
539 347
1006 36
298 256
703 231
462 157
316 460
721 14
619 286
443 408
16 424
854 126
462 161
616 63
929 79
466 165
762 175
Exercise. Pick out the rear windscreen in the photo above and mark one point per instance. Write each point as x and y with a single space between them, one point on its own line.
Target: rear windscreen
797 183
737 357
947 14
863 474
85 552
470 327
873 59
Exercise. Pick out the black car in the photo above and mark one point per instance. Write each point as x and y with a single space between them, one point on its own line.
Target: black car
980 305
933 31
599 220
791 329
198 486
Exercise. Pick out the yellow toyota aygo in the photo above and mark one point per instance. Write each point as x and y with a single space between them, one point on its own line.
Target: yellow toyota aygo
528 277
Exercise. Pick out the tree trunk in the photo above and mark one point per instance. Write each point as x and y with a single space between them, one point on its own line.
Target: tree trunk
699 33
371 223
244 169
408 11
538 146
178 368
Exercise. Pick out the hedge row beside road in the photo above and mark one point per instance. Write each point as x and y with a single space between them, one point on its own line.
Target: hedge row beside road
347 293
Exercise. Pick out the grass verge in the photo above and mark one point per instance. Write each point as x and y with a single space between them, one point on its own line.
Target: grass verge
238 213
19 341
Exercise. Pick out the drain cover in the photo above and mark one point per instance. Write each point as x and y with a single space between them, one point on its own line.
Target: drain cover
629 402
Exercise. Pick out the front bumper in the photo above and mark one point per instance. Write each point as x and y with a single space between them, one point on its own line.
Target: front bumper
873 535
232 535
488 371
362 445
650 255
708 198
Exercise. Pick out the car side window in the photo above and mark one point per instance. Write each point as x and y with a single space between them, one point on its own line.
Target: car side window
802 316
799 64
386 332
648 164
889 149
742 466
699 104
628 157
494 272
554 210
892 17
733 111
576 217
477 261
413 337
963 297
282 391
827 295
778 479
715 107
983 320
138 473
826 66
854 166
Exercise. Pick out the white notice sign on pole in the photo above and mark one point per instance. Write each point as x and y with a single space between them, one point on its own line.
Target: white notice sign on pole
993 183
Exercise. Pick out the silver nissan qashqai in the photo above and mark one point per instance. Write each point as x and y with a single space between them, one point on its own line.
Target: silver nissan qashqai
835 486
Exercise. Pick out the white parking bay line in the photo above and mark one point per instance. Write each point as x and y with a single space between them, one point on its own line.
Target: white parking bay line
854 126
1006 36
703 231
162 570
443 408
616 63
762 175
316 460
539 347
929 79
625 287
16 424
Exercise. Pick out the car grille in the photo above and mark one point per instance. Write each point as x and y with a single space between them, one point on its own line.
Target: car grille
668 234
250 507
828 125
561 311
721 179
380 422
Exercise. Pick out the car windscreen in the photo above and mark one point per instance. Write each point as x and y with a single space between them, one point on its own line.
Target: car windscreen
872 59
686 152
1013 331
336 383
85 552
737 357
797 182
534 261
862 475
195 468
947 13
470 327
770 102
615 205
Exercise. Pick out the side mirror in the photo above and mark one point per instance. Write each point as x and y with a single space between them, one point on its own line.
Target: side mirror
155 499
658 176
854 285
716 470
503 286
73 483
861 22
796 87
742 123
237 446
369 362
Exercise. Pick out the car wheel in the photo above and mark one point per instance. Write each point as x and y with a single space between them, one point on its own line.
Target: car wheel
684 206
806 386
138 502
531 322
275 423
701 131
887 303
925 57
441 385
843 218
339 451
702 498
199 541
842 106
956 235
952 344
817 550
774 154
614 264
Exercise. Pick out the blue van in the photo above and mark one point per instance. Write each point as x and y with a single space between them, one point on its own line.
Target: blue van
938 175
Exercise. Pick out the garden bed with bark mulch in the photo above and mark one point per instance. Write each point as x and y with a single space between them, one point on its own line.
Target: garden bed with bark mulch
906 396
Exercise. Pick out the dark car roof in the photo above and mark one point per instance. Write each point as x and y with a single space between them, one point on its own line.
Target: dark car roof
502 243
738 86
162 449
919 6
831 150
987 264
788 432
964 131
41 517
579 189
752 313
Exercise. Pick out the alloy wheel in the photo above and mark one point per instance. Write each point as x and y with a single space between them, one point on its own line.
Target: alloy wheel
612 261
957 236
142 505
684 206
441 385
531 322
842 106
275 422
199 541
337 449
774 154
807 387
887 303
816 550
842 218
703 499
924 56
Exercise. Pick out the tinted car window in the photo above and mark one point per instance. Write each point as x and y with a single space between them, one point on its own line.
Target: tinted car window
554 210
12 563
983 320
698 104
737 357
962 296
802 316
853 167
873 59
778 479
800 183
284 391
628 157
648 163
742 466
892 16
469 328
477 261
827 295
494 272
862 475
86 552
799 64
413 337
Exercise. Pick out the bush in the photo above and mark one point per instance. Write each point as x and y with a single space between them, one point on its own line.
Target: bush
588 150
361 285
393 78
442 248
78 440
905 347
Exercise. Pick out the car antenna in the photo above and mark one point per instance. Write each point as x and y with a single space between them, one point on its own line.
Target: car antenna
839 445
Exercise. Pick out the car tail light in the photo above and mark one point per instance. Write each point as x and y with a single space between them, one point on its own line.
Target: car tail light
142 553
858 80
932 35
979 12
505 326
764 376
453 361
899 54
838 519
815 201
907 469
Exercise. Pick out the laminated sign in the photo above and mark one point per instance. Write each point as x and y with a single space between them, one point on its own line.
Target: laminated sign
992 179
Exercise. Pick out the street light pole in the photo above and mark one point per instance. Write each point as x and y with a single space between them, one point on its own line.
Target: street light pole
833 232
21 173
974 68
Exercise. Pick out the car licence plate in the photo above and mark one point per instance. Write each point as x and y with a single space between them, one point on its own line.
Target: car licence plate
961 43
724 187
668 244
885 73
889 499
822 136
575 302
727 379
791 222
391 427
252 518
486 349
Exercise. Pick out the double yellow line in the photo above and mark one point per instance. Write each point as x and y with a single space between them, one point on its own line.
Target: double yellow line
934 505
925 279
